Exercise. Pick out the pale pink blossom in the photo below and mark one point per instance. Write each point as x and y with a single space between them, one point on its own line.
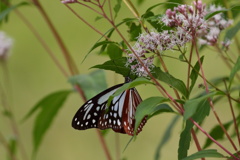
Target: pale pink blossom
5 46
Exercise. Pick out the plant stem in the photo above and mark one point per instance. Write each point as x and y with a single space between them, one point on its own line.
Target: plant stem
103 144
234 120
189 67
196 141
6 146
102 141
71 65
210 101
238 101
117 141
7 108
45 46
210 137
226 61
88 24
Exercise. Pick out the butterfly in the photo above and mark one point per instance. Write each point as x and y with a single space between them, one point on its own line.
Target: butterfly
119 115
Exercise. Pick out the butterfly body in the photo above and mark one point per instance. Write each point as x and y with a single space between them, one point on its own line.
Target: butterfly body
119 115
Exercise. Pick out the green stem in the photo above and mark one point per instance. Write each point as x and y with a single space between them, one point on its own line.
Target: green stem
6 146
189 66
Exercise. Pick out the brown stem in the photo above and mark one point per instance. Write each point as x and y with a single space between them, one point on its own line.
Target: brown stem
102 141
103 144
211 102
236 100
44 44
210 137
71 65
196 141
234 120
117 141
88 24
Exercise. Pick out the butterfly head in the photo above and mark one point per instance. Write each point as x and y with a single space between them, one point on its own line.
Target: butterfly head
128 79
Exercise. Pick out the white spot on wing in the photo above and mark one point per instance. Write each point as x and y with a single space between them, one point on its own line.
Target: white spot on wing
119 123
88 109
89 116
105 97
121 103
98 108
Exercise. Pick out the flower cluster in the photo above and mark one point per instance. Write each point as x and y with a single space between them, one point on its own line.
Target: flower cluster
5 45
191 21
153 42
187 23
215 25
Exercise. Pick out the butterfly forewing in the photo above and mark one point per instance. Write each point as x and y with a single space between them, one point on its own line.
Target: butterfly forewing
88 115
120 115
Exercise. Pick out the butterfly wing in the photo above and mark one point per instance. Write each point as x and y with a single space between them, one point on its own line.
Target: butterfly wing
88 115
133 99
120 115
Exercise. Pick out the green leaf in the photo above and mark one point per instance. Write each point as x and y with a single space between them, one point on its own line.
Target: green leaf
13 145
117 7
164 3
149 107
232 32
191 106
4 12
234 70
217 133
91 84
185 137
170 80
106 42
114 51
105 132
102 43
116 65
210 15
129 85
194 73
166 137
139 2
171 5
184 141
48 108
153 20
204 153
133 30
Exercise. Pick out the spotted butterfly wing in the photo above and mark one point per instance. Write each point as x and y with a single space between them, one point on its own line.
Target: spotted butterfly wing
120 115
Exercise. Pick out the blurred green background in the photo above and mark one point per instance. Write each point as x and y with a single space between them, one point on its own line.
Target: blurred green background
33 75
